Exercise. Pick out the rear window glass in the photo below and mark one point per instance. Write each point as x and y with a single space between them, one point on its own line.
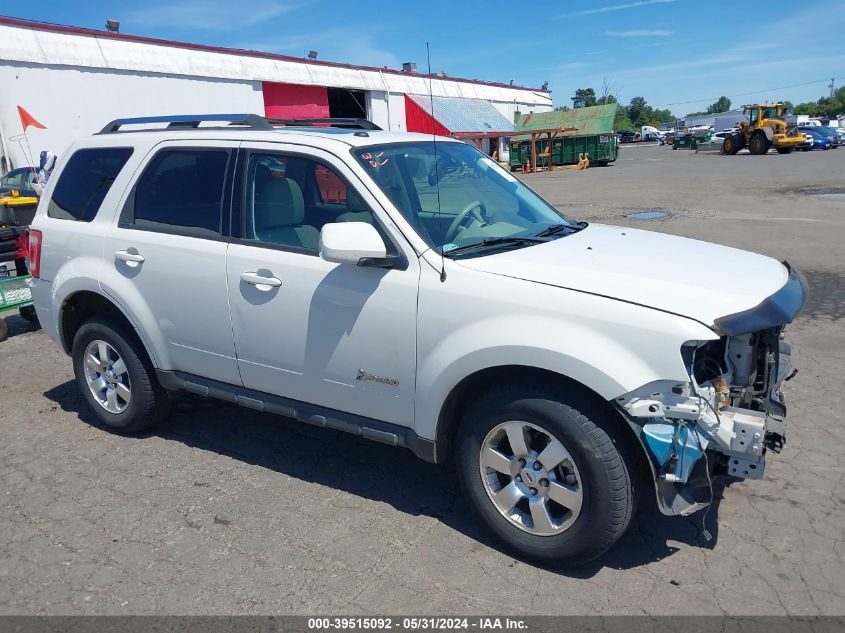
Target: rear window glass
85 181
182 189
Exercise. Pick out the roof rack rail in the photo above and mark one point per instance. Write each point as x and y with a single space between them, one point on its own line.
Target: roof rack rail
350 122
191 121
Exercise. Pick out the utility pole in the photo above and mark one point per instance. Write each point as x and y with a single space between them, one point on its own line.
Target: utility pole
832 79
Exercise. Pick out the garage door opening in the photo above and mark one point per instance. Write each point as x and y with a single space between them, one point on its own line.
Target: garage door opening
345 103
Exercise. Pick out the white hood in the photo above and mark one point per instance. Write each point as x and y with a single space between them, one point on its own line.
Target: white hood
699 280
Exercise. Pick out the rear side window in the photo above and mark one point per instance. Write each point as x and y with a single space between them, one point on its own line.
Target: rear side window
85 181
181 191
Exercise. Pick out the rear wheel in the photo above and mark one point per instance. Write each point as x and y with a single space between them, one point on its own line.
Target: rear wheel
116 378
544 475
784 150
759 144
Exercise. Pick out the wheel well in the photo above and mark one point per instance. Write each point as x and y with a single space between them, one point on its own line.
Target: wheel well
82 306
471 387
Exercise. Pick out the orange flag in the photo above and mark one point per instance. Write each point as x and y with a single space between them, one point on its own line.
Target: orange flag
27 119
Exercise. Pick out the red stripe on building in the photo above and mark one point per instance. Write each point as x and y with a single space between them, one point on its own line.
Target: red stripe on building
418 120
291 101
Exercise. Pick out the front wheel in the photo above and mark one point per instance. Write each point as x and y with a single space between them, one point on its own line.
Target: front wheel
543 475
116 377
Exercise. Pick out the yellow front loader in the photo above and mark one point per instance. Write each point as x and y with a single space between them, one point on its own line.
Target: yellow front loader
764 128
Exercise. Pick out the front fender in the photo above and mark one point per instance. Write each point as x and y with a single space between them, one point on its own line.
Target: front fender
611 355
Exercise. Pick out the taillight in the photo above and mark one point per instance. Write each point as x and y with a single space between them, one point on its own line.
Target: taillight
33 255
22 245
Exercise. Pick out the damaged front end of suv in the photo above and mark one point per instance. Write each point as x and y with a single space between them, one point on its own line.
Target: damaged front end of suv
729 414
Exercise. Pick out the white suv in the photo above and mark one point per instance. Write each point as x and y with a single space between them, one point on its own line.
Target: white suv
411 291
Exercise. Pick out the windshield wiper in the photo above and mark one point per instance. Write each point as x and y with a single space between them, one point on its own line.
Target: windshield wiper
496 241
554 229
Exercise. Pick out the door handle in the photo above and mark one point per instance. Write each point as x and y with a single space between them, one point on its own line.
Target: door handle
126 256
258 280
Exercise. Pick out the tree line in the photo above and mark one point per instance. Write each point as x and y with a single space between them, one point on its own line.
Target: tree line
823 107
637 113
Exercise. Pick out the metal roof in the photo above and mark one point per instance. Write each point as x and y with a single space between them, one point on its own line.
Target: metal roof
464 115
44 45
589 121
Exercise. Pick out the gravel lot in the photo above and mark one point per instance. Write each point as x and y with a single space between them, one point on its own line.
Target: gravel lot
226 511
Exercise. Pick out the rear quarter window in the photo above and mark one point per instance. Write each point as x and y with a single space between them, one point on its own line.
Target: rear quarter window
85 181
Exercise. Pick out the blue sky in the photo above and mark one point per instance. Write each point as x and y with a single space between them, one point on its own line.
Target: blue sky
669 51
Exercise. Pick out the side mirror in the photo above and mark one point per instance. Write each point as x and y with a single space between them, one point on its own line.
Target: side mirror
354 243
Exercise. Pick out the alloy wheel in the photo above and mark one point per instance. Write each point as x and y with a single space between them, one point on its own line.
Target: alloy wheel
531 478
107 376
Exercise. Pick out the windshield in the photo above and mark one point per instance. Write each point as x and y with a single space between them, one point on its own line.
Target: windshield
458 198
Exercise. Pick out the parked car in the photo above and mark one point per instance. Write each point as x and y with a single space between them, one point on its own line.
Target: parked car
20 180
830 133
313 273
653 137
820 141
807 145
825 132
628 136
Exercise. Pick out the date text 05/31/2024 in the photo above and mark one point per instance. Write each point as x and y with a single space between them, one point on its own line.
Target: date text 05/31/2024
415 623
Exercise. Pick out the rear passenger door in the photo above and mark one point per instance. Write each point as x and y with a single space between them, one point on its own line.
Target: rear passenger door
168 250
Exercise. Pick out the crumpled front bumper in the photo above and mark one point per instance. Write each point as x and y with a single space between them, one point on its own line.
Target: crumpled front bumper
729 414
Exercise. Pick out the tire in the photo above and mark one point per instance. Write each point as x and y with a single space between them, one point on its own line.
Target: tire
731 145
147 403
759 144
784 150
28 314
593 467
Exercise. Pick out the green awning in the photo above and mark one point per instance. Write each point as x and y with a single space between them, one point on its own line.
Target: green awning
589 121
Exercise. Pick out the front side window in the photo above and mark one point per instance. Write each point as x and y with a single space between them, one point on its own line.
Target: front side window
181 190
289 198
85 181
457 198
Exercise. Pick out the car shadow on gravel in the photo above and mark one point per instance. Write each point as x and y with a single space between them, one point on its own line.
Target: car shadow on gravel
384 474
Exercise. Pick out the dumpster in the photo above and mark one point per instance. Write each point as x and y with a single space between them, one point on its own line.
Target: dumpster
17 210
520 154
594 136
688 141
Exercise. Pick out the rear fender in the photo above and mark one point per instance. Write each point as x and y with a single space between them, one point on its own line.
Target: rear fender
80 275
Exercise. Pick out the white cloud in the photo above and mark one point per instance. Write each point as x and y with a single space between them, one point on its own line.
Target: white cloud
640 33
209 15
614 7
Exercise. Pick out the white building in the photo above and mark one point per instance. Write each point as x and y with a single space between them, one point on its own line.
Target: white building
75 80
